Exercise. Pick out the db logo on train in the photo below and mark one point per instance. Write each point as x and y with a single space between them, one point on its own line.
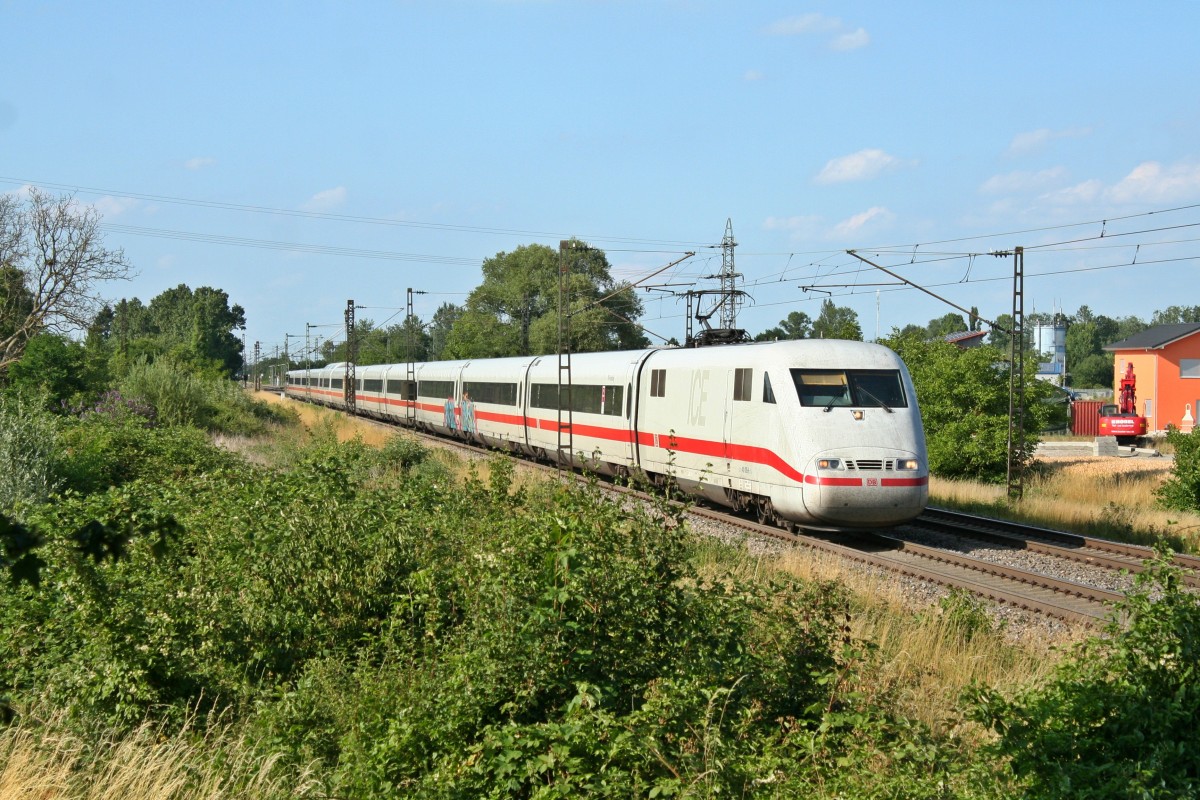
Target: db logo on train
872 481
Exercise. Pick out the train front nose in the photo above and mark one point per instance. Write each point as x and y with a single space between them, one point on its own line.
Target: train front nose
864 489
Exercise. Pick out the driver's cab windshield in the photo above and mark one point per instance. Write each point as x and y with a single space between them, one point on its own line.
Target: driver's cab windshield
829 388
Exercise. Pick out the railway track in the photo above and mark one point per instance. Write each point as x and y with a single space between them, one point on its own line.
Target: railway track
1025 589
1031 590
1081 549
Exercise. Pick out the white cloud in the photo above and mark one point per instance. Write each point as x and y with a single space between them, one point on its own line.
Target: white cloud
21 192
815 23
788 223
805 23
1032 141
752 75
857 166
326 200
200 162
1080 193
851 41
1150 182
1023 181
109 207
855 224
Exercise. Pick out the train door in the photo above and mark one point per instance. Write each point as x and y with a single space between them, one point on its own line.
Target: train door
727 427
526 391
742 422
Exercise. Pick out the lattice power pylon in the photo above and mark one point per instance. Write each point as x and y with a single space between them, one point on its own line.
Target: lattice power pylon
729 276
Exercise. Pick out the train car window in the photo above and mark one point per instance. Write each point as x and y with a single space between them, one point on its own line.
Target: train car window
406 389
821 387
611 400
743 382
439 389
628 399
583 398
358 384
864 388
372 384
501 394
658 383
768 392
880 388
337 383
543 395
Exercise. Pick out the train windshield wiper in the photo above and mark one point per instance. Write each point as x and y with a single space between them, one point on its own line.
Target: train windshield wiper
882 404
832 400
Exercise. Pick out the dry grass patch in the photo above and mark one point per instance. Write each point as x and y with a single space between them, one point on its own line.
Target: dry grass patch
47 761
1106 497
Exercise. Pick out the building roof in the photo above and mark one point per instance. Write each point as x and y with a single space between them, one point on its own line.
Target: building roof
965 339
1156 338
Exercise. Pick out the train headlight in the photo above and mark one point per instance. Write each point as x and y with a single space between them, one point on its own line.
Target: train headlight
908 464
829 463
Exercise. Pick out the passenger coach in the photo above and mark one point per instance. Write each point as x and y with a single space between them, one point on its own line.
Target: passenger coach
824 433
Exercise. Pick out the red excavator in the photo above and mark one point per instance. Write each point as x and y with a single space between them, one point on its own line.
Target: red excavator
1121 420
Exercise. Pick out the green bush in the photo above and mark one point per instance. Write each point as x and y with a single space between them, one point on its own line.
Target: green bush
29 453
102 450
1119 719
181 397
1181 491
409 636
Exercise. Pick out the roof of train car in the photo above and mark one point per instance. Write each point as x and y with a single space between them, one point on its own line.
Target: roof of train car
818 352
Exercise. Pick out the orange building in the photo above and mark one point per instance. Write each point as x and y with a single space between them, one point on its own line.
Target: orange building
1166 363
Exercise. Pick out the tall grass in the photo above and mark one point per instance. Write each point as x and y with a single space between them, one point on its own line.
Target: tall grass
50 761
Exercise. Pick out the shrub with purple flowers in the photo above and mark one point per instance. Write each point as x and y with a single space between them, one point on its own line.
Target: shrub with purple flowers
114 406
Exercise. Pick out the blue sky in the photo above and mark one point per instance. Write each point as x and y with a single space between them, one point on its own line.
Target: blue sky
300 154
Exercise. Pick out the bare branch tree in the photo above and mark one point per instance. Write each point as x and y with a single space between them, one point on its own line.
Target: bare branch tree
52 261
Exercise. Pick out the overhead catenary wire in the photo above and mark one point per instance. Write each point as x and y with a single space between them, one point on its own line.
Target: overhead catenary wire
918 255
330 216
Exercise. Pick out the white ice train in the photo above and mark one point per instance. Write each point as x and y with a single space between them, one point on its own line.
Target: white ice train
817 432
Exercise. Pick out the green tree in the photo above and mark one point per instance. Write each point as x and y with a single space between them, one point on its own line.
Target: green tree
55 367
1092 372
198 326
515 310
439 329
195 329
1173 315
943 326
1126 327
16 301
52 262
836 322
963 396
797 325
391 345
